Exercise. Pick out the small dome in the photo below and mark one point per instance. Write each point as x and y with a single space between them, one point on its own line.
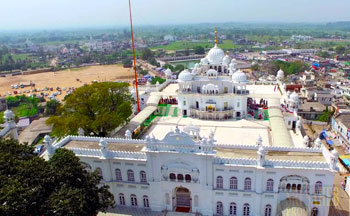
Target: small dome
168 71
215 55
196 65
226 60
239 77
8 114
233 60
185 76
261 150
212 73
280 74
294 97
204 61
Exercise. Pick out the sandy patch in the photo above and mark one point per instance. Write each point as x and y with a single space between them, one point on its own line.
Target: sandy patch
66 78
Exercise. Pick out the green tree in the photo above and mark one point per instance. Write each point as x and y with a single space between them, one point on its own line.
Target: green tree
97 109
199 50
179 68
60 186
166 66
157 79
51 107
146 54
326 115
324 54
340 50
255 67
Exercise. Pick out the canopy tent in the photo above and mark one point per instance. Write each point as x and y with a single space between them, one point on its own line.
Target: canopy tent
324 136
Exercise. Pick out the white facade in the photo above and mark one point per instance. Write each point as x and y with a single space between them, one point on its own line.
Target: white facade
188 172
213 89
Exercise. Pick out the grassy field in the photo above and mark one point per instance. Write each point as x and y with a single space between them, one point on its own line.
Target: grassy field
181 45
265 38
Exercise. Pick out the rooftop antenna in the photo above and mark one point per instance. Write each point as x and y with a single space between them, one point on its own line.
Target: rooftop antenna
133 53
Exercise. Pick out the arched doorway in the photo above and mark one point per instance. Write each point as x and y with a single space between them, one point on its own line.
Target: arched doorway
291 206
182 201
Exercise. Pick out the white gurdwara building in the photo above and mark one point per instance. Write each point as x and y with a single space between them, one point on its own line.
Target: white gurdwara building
202 165
214 89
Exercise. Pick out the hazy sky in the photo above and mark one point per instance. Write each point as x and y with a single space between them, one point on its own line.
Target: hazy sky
27 14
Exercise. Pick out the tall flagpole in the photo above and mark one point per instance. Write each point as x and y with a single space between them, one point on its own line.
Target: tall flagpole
133 53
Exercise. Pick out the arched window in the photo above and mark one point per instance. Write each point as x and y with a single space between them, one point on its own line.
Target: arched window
288 186
145 201
233 209
180 177
143 177
314 211
298 187
133 200
131 176
268 210
99 171
246 209
118 175
188 178
172 177
269 185
219 208
318 187
219 182
247 184
233 183
121 199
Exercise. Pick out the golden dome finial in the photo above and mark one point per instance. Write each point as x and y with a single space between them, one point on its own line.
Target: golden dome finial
216 36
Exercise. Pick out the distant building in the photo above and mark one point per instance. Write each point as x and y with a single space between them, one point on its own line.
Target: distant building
341 126
170 38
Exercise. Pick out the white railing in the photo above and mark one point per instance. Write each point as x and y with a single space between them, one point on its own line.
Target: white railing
270 148
273 163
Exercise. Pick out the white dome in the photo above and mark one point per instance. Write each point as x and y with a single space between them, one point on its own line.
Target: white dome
196 65
239 77
232 65
8 114
233 60
212 72
215 55
226 60
294 97
185 76
168 71
204 61
280 74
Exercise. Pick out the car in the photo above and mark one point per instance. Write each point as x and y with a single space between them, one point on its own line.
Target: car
39 149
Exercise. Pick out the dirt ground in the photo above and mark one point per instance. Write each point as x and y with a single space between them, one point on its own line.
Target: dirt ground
65 79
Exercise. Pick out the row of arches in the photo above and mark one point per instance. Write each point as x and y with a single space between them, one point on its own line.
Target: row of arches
130 175
180 177
234 183
233 209
301 188
133 200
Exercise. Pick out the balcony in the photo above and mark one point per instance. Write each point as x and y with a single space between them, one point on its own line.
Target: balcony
220 93
212 115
